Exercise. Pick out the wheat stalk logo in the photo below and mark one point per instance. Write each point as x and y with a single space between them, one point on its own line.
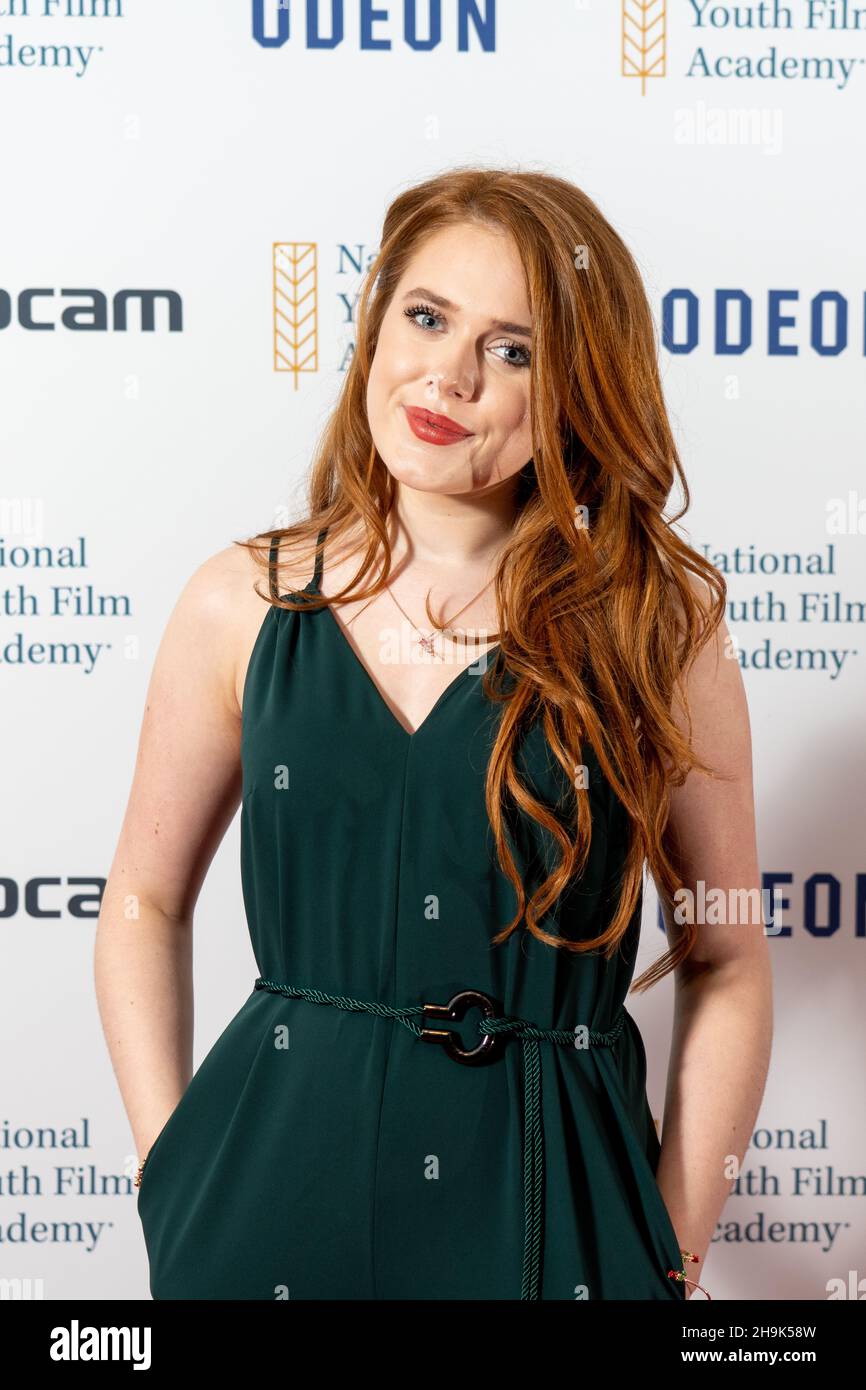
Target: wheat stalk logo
295 305
644 40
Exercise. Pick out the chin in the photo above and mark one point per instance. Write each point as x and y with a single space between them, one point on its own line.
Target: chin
417 473
422 482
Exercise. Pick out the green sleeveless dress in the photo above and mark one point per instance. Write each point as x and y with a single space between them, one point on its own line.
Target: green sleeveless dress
359 1130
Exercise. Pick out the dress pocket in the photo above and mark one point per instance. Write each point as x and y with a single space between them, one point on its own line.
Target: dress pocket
203 1115
626 1073
152 1153
666 1225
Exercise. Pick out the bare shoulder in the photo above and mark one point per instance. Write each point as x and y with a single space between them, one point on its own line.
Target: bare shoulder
235 595
714 688
711 831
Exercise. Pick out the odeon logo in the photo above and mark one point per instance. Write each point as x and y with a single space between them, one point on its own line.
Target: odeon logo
786 325
376 25
819 905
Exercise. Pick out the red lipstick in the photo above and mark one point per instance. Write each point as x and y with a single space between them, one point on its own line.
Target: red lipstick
433 428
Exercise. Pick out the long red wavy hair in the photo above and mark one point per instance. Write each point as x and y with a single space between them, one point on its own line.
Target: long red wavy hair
601 621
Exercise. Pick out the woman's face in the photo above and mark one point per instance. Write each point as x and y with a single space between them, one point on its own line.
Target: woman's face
454 342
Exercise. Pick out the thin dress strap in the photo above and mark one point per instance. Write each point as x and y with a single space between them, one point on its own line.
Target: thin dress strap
272 567
316 581
315 585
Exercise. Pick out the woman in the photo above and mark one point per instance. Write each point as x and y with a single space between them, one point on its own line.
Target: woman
457 734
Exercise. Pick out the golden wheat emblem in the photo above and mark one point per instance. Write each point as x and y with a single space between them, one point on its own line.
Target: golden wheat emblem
644 40
295 307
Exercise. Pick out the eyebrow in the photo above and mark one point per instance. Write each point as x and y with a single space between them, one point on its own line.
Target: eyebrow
501 324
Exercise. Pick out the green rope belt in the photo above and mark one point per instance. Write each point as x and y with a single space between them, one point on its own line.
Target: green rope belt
491 1028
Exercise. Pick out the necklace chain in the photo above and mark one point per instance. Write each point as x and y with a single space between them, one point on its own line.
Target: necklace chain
427 640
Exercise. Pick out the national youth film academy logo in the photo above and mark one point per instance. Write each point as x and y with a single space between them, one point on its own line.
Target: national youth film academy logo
295 297
644 40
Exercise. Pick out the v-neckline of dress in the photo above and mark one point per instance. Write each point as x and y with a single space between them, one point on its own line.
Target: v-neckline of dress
408 734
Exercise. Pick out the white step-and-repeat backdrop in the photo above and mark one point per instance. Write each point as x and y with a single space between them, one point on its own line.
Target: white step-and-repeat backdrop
160 159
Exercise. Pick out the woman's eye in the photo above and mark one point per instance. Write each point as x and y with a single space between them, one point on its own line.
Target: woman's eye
522 360
418 310
524 356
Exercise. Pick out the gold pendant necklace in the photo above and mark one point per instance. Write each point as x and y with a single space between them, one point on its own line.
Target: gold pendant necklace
427 640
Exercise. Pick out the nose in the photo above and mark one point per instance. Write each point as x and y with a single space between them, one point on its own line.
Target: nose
458 377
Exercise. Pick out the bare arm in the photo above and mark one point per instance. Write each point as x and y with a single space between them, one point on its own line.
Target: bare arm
185 791
723 1008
